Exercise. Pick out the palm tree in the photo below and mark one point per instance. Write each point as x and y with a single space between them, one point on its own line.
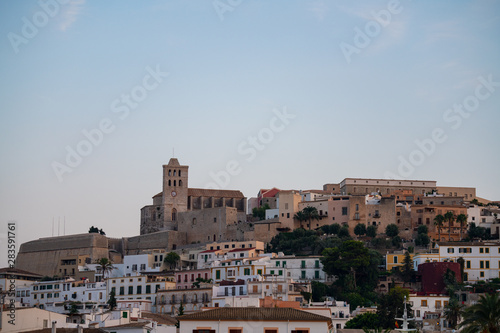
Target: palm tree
449 217
310 213
105 266
462 219
452 311
484 316
300 216
438 221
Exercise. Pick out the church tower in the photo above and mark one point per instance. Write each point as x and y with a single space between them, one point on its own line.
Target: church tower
175 192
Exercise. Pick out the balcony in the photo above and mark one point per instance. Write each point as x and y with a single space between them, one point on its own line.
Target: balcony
376 215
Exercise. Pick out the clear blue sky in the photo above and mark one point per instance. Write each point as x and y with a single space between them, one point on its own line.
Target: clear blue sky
361 89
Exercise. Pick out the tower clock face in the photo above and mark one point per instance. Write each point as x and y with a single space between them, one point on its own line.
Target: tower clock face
173 193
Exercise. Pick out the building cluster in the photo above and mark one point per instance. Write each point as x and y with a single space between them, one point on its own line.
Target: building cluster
222 271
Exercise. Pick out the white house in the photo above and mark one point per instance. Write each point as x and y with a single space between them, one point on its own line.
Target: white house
481 259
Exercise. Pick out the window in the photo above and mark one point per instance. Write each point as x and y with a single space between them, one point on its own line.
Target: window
270 330
356 216
130 290
481 250
122 290
468 264
247 271
438 304
423 302
481 264
344 210
487 264
217 274
148 289
303 274
451 250
259 271
139 289
487 250
357 207
481 274
316 274
303 264
395 259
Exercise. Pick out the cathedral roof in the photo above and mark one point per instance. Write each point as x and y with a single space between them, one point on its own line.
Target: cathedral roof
201 192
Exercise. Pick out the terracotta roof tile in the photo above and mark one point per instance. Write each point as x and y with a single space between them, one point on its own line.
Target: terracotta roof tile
201 192
253 314
241 249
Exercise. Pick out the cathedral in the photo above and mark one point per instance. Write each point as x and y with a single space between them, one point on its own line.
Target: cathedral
201 215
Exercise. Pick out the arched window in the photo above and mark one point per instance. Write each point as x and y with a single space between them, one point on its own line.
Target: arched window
184 299
170 172
162 299
174 214
214 237
179 173
180 182
173 299
175 173
194 220
169 182
174 182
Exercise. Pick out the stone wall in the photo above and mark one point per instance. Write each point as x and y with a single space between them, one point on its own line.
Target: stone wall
208 225
42 256
167 240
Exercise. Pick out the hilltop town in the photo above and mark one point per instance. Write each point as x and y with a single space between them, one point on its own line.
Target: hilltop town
361 253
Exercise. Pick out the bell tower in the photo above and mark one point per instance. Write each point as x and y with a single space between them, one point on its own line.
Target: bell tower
175 192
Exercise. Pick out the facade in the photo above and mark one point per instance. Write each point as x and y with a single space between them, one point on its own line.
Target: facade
371 210
395 259
481 259
266 320
192 299
139 287
468 193
423 305
288 206
301 269
338 209
185 279
425 214
363 186
177 198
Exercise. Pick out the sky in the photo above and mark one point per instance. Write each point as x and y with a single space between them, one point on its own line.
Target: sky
95 96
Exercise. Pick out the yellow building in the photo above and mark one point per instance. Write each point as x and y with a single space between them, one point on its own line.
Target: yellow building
395 259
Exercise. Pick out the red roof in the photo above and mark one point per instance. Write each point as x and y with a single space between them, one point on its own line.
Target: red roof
241 249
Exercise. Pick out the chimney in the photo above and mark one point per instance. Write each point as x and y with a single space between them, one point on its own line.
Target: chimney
54 326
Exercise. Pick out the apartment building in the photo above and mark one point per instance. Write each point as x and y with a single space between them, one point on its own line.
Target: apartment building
362 186
185 279
481 259
298 268
423 305
192 299
140 286
425 214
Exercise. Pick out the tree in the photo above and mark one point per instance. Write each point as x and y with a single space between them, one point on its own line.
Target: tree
449 217
371 231
360 229
475 232
200 280
344 232
484 316
438 221
95 230
260 212
353 264
105 266
300 216
391 306
310 213
422 229
172 258
366 320
73 309
407 270
392 230
331 229
452 312
422 240
462 219
112 300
